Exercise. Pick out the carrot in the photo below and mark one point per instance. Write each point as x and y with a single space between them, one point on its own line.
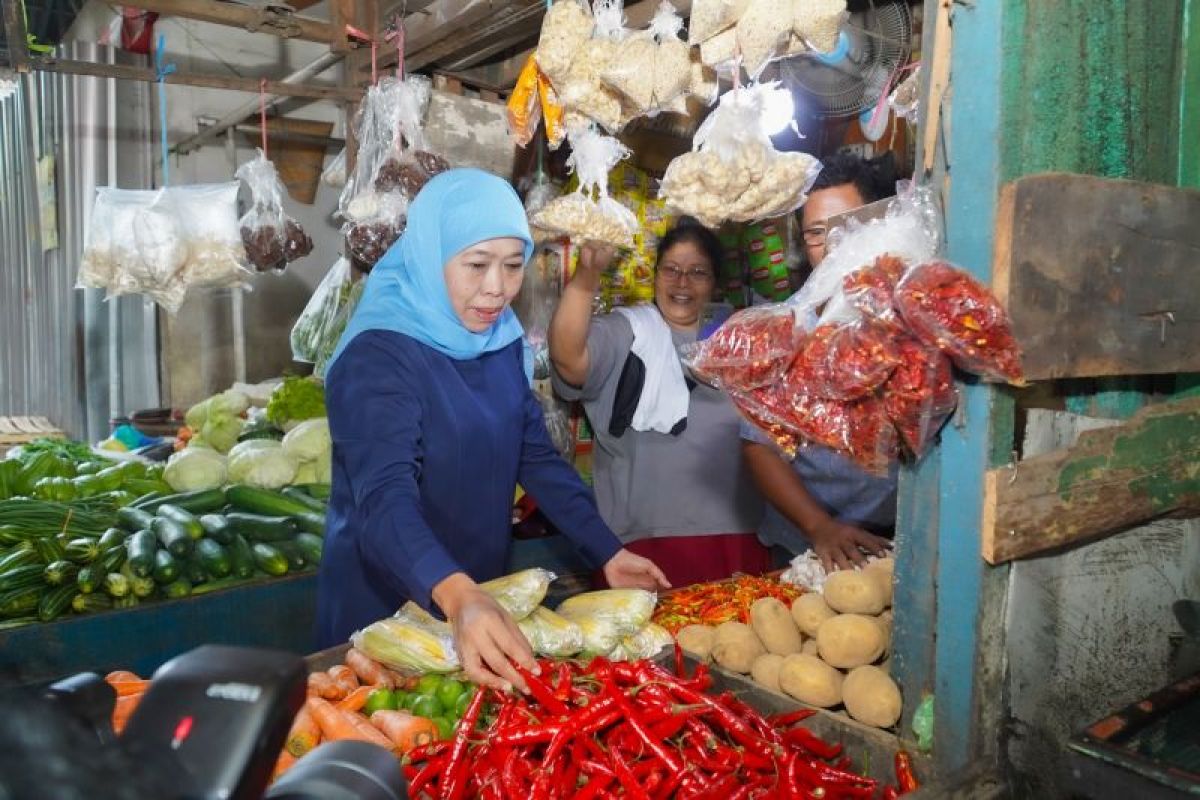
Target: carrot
123 710
343 676
405 730
368 670
356 699
285 762
125 688
321 685
304 734
122 675
336 724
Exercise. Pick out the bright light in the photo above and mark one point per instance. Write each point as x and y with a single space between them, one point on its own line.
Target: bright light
778 111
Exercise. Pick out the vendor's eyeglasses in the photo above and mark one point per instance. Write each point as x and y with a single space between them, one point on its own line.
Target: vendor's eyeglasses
815 236
697 275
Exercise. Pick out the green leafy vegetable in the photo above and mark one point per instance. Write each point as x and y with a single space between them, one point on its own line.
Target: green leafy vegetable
296 400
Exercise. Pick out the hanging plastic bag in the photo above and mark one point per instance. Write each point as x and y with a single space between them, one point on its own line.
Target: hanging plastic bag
553 112
551 635
207 214
652 69
589 213
565 32
409 164
582 90
920 395
817 23
320 311
846 361
871 292
734 172
711 17
763 31
947 308
753 348
335 174
521 592
271 237
332 334
523 110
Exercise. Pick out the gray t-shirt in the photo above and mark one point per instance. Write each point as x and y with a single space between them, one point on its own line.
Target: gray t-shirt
652 484
846 492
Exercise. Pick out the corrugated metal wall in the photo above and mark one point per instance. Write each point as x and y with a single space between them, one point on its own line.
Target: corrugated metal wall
66 353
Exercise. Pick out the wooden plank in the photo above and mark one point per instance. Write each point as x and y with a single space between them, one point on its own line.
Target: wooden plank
15 35
1111 480
124 72
939 80
249 17
1101 276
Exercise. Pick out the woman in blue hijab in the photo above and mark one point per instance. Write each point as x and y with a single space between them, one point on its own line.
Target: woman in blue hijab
434 424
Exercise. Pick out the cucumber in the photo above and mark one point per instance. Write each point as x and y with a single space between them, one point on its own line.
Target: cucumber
56 601
217 528
133 519
257 528
60 573
269 559
193 570
264 502
87 603
173 536
303 497
116 584
318 491
166 567
148 499
178 589
20 602
49 549
113 537
82 550
310 523
11 534
311 546
182 517
215 558
294 555
21 555
89 579
112 560
141 548
202 501
129 600
241 557
22 578
140 587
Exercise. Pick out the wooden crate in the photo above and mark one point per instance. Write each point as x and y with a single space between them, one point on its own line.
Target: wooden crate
16 431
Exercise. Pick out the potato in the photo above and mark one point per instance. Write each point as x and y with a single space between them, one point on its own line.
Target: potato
697 640
736 647
775 627
809 648
884 621
809 611
849 592
850 640
872 697
810 680
883 573
765 670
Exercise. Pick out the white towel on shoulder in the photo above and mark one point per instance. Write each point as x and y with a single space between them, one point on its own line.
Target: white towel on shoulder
663 403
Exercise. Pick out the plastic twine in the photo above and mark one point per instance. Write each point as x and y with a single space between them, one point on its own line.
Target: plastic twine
363 37
262 113
161 71
396 36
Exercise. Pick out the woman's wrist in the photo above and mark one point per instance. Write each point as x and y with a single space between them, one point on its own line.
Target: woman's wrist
451 591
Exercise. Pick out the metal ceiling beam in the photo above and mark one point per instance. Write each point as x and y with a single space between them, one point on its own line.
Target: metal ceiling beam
251 18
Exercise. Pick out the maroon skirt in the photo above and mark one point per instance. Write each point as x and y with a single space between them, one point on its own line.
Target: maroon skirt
697 559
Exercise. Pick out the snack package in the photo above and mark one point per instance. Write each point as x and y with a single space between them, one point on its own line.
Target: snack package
521 592
523 107
763 31
582 91
627 610
565 31
766 257
590 213
733 267
871 291
552 112
753 348
816 23
271 237
551 635
734 172
721 51
672 58
711 17
846 361
319 312
412 641
920 394
652 69
947 308
207 214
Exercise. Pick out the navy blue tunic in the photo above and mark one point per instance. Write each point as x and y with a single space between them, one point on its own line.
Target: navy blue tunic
427 452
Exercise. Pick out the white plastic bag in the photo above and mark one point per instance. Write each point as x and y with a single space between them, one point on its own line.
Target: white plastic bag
272 239
763 32
521 592
552 635
589 213
627 610
734 172
582 90
335 174
320 311
817 23
711 17
565 32
207 214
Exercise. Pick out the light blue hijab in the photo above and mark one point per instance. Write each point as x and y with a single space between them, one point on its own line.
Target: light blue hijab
406 291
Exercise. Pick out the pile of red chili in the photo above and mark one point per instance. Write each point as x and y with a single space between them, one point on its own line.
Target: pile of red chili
719 601
633 730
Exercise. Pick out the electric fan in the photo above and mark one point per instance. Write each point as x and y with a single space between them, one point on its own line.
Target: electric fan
848 80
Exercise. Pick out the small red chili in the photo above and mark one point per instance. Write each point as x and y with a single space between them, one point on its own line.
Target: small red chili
904 773
804 738
456 764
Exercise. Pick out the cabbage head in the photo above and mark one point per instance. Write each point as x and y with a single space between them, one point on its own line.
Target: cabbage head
309 440
226 404
195 468
221 430
261 462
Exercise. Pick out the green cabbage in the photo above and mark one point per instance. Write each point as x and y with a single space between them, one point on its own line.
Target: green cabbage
309 440
261 462
195 468
226 404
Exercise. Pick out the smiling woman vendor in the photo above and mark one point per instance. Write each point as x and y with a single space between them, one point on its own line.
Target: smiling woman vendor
434 423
